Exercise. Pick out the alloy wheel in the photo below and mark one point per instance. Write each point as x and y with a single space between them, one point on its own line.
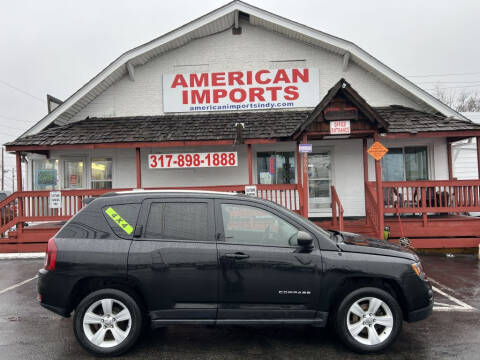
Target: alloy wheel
370 321
107 323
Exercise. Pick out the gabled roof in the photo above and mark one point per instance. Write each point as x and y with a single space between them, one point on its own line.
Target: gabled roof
222 19
344 88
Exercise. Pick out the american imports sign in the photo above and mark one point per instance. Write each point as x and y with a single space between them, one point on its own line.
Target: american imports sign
241 90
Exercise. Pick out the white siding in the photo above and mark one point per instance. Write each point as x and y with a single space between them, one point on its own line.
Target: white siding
254 48
464 154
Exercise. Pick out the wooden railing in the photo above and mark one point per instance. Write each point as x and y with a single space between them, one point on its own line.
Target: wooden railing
36 205
337 210
438 196
371 206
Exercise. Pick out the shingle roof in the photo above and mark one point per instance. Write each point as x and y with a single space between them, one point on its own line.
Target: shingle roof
258 125
404 119
221 126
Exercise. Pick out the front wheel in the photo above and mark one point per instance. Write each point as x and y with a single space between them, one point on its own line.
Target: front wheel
368 320
107 322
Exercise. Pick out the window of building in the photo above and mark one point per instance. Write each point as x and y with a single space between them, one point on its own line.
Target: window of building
253 226
101 173
45 174
407 163
73 174
181 221
276 167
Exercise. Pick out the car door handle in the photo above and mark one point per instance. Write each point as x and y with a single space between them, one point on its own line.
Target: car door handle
237 255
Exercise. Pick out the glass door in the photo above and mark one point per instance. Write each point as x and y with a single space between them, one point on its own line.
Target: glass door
319 181
73 174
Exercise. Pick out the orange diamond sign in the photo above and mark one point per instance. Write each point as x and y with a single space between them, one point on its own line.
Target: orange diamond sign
377 150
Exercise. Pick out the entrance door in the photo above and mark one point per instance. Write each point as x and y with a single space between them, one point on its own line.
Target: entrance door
319 181
74 174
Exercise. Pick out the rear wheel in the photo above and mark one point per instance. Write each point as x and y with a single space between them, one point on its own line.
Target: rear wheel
107 322
368 320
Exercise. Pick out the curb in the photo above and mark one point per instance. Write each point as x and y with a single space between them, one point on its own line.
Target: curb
14 256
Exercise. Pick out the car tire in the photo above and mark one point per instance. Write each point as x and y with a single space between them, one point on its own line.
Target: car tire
368 320
108 322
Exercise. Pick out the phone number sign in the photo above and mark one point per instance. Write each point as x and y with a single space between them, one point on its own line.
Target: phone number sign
192 160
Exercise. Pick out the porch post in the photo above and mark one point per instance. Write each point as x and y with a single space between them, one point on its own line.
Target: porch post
365 175
305 178
139 168
250 164
378 179
478 155
449 159
19 189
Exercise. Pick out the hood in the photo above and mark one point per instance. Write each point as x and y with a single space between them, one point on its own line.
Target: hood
361 244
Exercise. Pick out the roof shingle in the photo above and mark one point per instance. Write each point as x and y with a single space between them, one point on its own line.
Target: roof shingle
258 125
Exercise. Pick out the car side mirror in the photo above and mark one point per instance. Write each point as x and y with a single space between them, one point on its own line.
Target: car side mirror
304 239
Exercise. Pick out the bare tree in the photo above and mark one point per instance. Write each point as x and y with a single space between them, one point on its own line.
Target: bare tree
462 101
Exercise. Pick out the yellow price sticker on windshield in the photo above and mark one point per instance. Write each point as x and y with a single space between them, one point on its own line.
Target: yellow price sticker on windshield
119 220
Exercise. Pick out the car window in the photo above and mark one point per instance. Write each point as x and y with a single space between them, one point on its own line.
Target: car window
245 224
122 218
180 221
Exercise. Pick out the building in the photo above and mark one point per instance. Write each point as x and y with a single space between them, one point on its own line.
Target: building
226 102
464 152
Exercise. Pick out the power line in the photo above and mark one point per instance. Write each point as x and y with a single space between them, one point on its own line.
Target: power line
454 87
449 82
22 91
435 75
15 119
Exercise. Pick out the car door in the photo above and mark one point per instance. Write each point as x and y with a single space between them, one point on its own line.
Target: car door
173 258
264 276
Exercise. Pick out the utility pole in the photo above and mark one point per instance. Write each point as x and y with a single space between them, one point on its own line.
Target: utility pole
3 170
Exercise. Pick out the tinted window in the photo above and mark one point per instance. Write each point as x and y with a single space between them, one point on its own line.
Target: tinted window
122 218
87 224
155 221
250 225
182 221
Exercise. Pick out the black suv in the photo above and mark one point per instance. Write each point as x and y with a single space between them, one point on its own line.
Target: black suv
180 257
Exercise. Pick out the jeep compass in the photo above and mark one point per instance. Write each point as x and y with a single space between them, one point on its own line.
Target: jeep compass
159 258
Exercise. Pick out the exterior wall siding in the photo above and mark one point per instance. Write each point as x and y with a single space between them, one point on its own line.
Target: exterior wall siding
465 161
255 48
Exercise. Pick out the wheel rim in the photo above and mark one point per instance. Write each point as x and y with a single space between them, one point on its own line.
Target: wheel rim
107 323
370 321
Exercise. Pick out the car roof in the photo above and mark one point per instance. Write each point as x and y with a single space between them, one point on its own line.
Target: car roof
140 194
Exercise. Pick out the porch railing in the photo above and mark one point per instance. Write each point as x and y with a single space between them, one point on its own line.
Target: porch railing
437 196
337 210
36 205
371 206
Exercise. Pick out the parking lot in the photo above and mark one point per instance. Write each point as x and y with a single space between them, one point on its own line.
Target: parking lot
28 331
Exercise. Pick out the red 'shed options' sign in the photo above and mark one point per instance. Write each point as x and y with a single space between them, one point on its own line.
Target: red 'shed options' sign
241 90
340 127
192 160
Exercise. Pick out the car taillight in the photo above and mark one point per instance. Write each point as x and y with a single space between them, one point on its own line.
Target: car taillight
51 255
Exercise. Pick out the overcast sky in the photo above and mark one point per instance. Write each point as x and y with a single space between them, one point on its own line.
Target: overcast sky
56 46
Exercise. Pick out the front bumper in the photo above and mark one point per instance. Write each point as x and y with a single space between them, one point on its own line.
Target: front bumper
420 314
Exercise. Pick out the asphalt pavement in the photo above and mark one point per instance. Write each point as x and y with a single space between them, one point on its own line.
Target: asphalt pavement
27 331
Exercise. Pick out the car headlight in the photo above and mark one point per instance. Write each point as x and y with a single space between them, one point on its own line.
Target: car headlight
418 268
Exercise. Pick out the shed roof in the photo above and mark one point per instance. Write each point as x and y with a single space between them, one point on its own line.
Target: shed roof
274 124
